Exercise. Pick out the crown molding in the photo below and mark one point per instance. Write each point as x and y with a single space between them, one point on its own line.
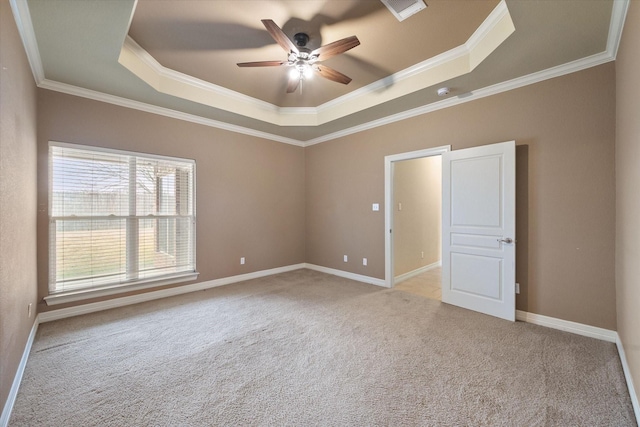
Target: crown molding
618 16
495 29
22 16
161 111
25 27
516 83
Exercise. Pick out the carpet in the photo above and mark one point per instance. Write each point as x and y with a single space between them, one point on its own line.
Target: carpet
305 348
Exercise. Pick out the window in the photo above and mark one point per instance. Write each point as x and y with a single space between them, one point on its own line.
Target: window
118 219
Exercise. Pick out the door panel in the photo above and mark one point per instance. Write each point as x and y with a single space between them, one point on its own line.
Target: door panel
478 215
473 202
464 278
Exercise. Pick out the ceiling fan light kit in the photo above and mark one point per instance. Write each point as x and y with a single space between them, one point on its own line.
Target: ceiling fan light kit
303 61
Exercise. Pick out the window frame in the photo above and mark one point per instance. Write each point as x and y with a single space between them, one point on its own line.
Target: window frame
94 291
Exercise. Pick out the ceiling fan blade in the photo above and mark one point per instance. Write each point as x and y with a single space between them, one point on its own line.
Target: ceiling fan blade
336 48
279 36
293 83
331 74
261 64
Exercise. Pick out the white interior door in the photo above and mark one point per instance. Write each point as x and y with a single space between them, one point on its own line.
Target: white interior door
478 229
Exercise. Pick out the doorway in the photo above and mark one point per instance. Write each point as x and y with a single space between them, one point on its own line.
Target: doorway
413 194
478 220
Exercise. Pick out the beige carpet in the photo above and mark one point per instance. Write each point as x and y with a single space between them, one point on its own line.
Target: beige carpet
305 348
428 284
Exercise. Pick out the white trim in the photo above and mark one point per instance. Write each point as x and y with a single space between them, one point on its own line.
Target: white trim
382 84
591 332
568 326
62 313
572 327
118 152
22 16
416 272
388 202
516 83
162 111
25 27
618 16
487 26
79 295
346 275
494 30
17 379
627 376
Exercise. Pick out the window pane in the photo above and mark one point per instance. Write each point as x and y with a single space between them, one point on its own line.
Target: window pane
90 250
146 188
89 184
165 246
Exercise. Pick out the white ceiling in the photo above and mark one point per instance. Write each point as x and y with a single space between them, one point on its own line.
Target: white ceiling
177 58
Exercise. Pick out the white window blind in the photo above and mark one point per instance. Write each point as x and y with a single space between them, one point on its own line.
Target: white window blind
118 218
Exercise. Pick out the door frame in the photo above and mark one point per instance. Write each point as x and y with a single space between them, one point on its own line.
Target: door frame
389 204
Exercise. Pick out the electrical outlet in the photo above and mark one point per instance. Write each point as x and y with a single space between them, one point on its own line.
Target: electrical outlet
242 261
364 261
346 259
422 254
29 309
375 207
399 206
517 288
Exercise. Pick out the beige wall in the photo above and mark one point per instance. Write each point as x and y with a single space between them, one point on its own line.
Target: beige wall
417 186
628 190
279 205
250 191
564 129
17 199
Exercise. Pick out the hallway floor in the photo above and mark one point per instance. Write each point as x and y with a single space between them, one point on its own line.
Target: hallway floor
427 284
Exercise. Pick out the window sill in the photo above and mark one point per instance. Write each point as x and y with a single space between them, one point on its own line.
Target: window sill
65 297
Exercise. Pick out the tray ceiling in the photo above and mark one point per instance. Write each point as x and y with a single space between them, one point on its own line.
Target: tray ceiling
178 58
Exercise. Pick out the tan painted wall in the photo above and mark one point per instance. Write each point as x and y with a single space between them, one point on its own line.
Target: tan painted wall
17 199
250 191
564 129
417 185
628 190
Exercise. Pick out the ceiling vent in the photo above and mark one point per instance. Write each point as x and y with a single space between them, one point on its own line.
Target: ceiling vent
402 9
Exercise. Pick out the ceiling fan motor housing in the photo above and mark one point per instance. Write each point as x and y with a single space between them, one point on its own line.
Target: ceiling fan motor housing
301 39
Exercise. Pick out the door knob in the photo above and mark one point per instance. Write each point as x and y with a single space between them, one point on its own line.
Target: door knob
506 240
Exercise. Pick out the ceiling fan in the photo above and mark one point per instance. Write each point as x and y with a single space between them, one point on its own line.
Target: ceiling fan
302 60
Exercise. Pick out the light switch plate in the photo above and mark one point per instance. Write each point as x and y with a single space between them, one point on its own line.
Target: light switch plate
376 207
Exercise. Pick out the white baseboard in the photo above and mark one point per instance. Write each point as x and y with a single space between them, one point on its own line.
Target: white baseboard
17 379
402 277
347 275
62 313
627 376
592 332
78 310
566 325
550 322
